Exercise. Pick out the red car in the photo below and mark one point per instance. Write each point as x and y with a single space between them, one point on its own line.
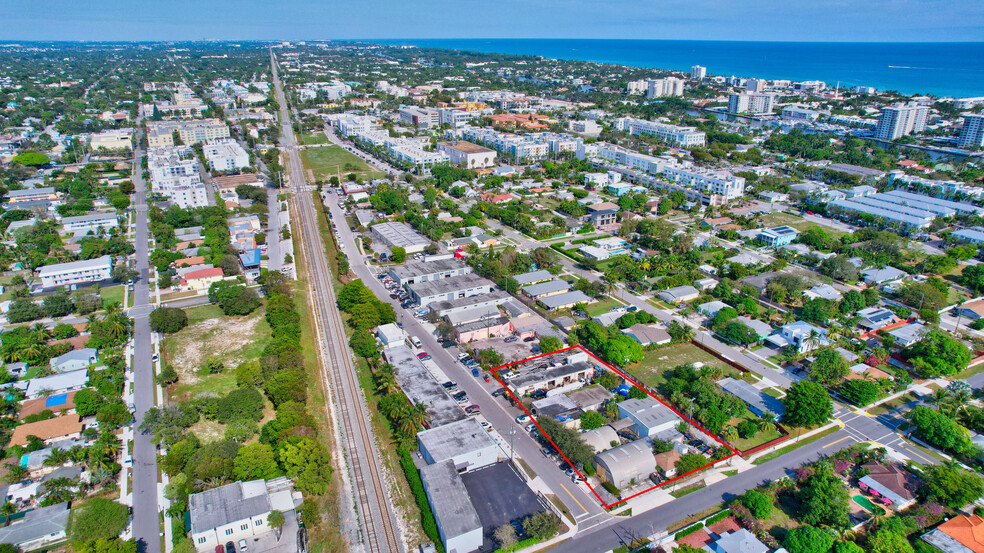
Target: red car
421 354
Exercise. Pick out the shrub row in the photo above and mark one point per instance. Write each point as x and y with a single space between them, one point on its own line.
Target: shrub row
417 487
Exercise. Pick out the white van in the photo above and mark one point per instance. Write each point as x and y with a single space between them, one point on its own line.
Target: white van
413 342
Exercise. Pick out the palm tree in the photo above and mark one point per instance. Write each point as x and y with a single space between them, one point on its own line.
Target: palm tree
939 398
729 433
386 382
57 457
15 473
6 510
767 423
959 400
40 331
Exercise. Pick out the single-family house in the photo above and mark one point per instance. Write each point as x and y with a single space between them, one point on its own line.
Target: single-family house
240 510
960 534
778 236
201 279
74 360
711 308
739 541
758 401
873 318
909 334
823 291
679 294
884 275
890 484
37 528
647 335
801 335
65 427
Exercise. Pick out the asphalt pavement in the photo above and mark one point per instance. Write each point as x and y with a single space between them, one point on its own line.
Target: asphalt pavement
146 526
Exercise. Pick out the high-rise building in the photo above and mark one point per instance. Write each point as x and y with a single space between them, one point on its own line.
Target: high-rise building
698 72
636 87
669 86
755 85
751 103
901 120
972 134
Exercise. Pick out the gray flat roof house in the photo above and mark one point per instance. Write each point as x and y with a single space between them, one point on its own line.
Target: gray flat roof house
38 528
758 402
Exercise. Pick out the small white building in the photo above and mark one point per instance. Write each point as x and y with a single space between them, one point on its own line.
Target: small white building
238 511
465 443
76 272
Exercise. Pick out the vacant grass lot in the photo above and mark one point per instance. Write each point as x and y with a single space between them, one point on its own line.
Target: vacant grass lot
603 306
314 137
112 294
656 362
329 161
231 340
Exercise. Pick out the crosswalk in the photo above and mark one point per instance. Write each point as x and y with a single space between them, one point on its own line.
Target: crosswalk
881 431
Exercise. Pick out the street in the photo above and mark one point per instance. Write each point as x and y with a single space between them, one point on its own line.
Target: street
146 525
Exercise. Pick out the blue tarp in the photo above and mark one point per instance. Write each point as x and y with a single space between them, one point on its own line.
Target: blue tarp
623 390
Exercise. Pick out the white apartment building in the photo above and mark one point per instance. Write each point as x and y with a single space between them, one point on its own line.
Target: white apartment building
799 114
225 154
751 103
968 103
526 147
637 87
756 85
719 183
240 511
712 183
350 125
174 173
672 134
901 120
405 150
810 87
668 86
85 223
972 134
457 117
76 272
698 72
585 127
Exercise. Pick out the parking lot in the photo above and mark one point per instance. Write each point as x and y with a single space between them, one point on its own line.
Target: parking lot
500 496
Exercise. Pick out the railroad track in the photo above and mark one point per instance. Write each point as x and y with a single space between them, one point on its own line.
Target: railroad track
377 527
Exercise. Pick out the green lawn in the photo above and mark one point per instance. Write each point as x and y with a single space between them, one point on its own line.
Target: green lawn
603 306
329 161
314 137
112 294
760 437
892 404
656 362
780 452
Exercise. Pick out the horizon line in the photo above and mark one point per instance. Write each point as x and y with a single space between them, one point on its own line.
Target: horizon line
7 41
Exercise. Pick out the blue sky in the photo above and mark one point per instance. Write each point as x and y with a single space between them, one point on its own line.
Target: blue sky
796 20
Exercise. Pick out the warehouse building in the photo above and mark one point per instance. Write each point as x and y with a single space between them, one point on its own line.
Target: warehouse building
486 302
550 377
465 443
396 234
533 277
412 273
426 293
651 416
457 520
627 464
546 289
422 388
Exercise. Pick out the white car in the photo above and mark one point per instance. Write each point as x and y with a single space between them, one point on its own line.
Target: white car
154 358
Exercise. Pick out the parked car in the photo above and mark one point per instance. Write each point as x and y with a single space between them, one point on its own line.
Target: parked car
510 339
499 392
242 545
475 371
449 384
547 452
230 547
522 418
423 354
473 409
462 356
530 427
460 397
529 339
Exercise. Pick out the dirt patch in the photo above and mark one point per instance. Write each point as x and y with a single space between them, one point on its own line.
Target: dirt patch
222 337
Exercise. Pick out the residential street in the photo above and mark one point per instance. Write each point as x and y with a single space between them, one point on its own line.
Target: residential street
146 526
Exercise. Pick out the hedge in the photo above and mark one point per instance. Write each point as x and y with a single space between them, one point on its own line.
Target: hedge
718 517
417 487
689 530
519 545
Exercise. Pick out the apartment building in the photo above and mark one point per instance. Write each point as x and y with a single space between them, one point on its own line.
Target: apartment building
422 118
174 173
76 272
669 86
752 103
225 154
160 133
901 120
972 133
114 139
673 134
698 72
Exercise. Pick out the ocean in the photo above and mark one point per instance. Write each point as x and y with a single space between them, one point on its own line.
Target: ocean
947 69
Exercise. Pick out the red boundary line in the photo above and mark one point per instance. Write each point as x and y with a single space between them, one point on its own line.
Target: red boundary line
495 372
